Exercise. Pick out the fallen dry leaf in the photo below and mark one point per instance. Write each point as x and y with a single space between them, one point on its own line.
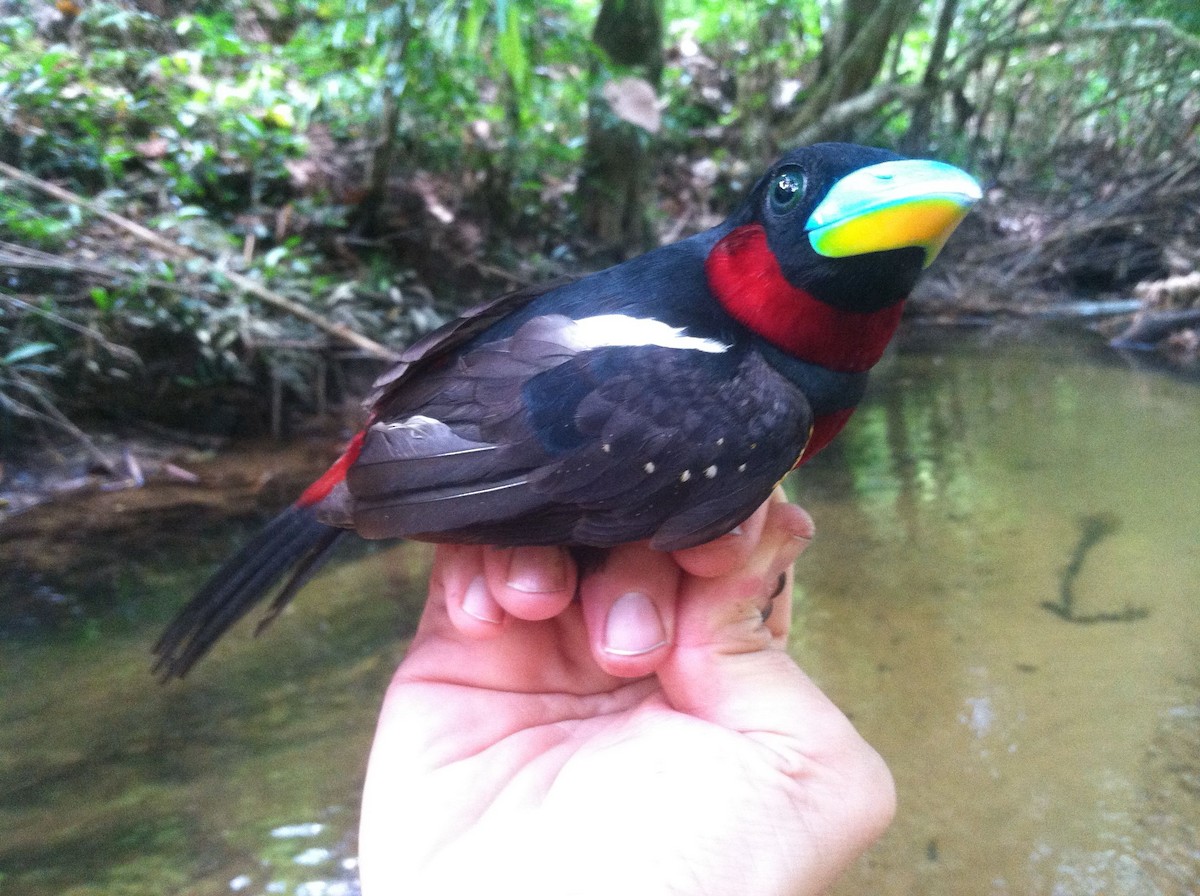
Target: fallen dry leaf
633 100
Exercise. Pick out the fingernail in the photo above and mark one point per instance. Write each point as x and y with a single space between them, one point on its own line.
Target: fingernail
537 572
736 530
478 603
800 524
633 626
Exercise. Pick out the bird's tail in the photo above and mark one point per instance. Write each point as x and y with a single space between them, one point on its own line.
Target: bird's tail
289 549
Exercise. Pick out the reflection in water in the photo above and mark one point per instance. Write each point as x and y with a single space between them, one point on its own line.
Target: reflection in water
1031 755
1093 529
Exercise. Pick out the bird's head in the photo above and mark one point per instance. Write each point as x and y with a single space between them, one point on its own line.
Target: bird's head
839 227
853 225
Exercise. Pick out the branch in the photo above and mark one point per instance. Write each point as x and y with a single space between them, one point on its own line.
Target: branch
972 57
1151 326
816 105
13 255
1097 29
855 109
53 416
174 250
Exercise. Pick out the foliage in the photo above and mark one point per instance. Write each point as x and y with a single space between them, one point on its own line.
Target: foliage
22 370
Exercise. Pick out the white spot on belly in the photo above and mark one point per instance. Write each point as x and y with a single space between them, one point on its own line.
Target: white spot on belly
685 476
649 468
710 472
605 330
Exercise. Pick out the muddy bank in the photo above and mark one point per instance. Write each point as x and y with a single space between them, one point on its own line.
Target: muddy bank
1119 256
69 534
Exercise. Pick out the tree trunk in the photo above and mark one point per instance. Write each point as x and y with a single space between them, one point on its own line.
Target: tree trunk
367 217
852 56
612 188
917 139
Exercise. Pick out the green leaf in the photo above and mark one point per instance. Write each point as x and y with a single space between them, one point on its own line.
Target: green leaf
26 351
511 49
472 25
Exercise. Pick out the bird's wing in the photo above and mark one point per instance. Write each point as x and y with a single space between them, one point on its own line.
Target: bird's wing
438 343
593 432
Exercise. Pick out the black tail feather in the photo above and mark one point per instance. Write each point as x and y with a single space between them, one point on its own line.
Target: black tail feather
293 544
312 561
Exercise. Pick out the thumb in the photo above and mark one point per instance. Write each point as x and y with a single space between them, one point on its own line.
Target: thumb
729 665
730 669
839 790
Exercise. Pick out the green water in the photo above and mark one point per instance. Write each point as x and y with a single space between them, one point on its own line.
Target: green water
985 478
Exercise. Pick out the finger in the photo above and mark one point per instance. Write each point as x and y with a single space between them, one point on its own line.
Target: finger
722 632
531 583
784 531
730 668
723 554
459 580
787 533
629 610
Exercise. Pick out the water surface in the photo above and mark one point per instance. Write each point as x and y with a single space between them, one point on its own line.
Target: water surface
993 503
1033 753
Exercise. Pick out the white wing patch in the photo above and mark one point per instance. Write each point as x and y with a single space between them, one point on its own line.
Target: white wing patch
604 330
418 425
421 436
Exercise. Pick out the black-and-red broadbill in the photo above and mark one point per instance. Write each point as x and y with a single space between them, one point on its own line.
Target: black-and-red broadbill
660 399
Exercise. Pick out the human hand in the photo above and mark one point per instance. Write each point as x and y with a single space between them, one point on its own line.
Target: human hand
653 737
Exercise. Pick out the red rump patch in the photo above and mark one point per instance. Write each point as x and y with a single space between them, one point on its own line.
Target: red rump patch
322 487
746 278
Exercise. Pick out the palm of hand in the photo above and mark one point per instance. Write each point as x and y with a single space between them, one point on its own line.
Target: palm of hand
520 759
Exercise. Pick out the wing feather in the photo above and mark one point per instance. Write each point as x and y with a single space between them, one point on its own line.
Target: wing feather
437 344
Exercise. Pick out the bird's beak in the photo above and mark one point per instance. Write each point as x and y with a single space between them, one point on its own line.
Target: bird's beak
892 205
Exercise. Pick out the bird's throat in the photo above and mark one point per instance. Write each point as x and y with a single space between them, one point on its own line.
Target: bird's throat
746 278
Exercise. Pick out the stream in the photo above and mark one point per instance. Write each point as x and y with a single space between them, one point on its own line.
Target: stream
1002 595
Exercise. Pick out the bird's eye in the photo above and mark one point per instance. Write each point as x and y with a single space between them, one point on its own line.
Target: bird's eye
786 190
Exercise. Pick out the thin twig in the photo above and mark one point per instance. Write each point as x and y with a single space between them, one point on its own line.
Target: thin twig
53 416
16 256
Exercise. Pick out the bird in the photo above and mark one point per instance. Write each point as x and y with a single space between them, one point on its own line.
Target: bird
662 399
